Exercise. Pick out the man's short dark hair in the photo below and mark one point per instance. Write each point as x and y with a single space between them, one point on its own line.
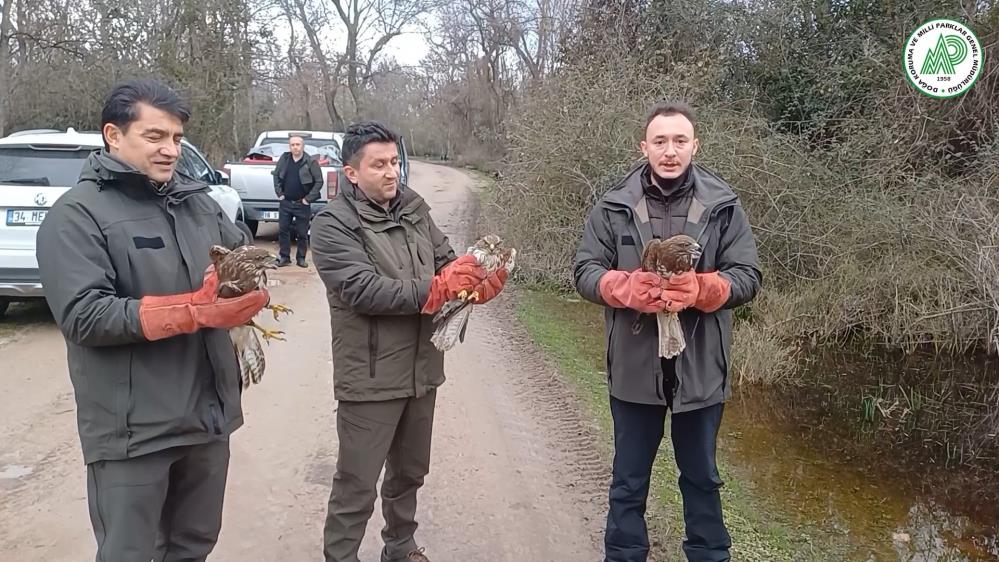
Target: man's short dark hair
667 108
120 106
360 135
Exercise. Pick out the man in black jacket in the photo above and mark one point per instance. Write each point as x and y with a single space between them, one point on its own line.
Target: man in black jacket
124 259
298 181
666 195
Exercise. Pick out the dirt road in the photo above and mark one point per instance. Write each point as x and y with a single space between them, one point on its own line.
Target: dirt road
513 476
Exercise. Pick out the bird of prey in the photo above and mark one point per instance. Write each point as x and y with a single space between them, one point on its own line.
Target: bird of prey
240 271
675 254
491 254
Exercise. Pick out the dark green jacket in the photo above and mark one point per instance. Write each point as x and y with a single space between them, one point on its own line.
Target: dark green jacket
377 266
311 175
105 244
615 233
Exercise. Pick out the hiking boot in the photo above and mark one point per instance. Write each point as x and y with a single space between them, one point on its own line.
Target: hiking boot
302 263
414 556
417 556
282 262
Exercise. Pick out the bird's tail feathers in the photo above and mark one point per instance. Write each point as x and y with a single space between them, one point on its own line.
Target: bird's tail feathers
249 354
671 341
451 328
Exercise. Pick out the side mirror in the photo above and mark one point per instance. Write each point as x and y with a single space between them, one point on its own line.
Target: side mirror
221 178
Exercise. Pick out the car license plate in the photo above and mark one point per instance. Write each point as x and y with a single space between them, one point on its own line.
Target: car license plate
270 215
17 217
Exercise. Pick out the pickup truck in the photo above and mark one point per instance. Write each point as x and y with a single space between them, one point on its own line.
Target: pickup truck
36 168
252 176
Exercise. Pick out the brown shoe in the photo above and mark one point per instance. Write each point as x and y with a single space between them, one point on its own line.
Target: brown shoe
417 556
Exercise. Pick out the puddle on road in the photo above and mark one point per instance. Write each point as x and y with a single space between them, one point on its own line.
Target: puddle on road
14 471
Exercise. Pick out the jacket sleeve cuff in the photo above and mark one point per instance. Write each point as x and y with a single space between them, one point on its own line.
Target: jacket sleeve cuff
422 288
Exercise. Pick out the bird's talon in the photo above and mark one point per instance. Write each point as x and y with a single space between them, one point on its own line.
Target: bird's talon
463 294
269 335
279 309
474 297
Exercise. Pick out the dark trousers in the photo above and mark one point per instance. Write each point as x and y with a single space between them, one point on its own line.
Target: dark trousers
293 215
165 506
638 430
394 434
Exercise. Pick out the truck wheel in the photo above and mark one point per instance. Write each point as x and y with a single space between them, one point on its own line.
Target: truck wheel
4 303
246 230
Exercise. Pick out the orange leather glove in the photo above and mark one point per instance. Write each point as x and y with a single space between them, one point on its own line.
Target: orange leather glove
681 291
171 315
492 286
714 291
637 290
463 274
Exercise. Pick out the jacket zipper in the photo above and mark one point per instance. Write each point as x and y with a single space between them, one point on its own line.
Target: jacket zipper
373 345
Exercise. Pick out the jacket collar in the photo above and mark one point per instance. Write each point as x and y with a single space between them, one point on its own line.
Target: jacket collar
107 171
405 204
709 194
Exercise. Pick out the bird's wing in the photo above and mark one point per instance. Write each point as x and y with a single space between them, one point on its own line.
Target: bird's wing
511 260
249 353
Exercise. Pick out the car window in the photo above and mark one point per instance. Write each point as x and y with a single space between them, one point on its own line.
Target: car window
308 142
193 166
41 166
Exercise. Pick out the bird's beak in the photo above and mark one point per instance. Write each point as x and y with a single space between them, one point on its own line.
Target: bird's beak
696 251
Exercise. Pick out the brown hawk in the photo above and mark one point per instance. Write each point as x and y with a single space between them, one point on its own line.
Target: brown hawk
675 254
491 254
240 271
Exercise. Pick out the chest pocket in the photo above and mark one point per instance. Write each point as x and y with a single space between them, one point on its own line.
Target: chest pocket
421 247
628 243
145 257
385 243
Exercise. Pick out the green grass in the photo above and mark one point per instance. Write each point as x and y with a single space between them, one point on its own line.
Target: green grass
571 333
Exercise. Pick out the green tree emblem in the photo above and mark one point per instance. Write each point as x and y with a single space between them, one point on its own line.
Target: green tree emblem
949 51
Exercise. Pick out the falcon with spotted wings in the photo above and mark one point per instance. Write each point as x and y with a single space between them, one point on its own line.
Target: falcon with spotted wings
240 271
491 254
675 254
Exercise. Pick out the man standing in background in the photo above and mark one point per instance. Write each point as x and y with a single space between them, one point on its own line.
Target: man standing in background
298 181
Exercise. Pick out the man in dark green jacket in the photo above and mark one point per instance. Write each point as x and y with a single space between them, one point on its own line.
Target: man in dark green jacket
387 269
662 197
124 261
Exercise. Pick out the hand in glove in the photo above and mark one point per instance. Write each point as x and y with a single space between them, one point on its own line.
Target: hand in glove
681 291
714 291
185 313
637 290
463 274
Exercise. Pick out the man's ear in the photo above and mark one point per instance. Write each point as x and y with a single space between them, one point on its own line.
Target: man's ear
697 145
112 135
644 147
350 172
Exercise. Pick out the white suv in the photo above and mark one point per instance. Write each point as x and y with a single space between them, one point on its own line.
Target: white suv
36 168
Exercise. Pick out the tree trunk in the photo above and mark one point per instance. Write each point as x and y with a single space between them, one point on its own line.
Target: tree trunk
5 68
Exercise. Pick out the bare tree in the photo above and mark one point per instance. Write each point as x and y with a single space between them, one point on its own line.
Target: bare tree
373 22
